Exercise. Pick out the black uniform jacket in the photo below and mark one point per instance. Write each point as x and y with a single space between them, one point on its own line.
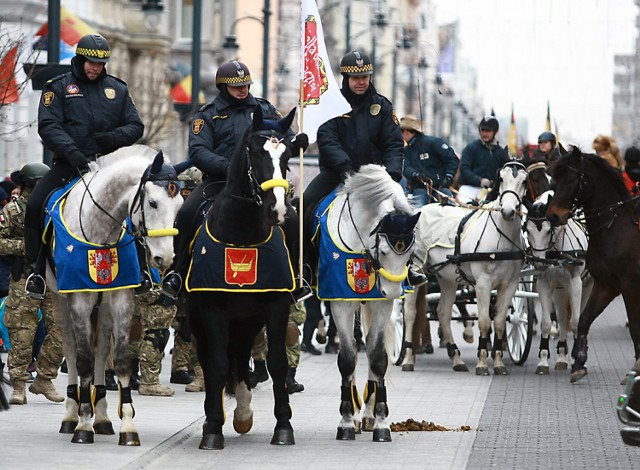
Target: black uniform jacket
74 109
216 130
370 133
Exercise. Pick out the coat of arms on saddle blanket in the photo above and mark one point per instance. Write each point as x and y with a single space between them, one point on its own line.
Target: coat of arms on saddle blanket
82 266
342 274
218 266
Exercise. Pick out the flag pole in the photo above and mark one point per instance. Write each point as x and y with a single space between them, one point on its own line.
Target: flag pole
301 188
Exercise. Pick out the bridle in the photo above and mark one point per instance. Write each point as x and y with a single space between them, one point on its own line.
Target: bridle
515 167
400 247
257 188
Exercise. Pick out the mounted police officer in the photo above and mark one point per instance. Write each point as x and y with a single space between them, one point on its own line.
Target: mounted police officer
216 129
481 159
369 133
21 312
82 114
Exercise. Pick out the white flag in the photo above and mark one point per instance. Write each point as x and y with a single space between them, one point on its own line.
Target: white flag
321 97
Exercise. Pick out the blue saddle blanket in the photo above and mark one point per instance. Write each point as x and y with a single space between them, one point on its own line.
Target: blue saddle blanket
342 274
218 266
82 266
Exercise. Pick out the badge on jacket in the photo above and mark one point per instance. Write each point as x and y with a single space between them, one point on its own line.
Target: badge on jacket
110 93
47 98
197 126
374 110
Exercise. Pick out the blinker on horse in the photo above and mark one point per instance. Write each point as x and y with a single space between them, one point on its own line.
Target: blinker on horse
240 280
613 256
120 186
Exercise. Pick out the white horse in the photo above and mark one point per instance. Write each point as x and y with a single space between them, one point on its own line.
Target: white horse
481 247
135 182
372 221
563 281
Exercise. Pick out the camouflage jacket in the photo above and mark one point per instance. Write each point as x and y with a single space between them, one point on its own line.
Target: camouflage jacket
12 228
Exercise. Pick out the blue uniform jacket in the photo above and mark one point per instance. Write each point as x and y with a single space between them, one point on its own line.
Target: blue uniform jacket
369 133
479 161
73 109
429 157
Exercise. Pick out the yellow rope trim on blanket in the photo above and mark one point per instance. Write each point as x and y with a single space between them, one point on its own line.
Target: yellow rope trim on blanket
163 232
275 183
394 277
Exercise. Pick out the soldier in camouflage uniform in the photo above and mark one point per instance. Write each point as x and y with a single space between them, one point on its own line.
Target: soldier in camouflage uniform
21 312
156 312
297 316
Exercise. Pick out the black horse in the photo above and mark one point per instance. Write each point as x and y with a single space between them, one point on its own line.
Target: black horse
247 286
613 256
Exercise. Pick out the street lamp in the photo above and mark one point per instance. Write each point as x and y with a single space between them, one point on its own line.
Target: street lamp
152 10
378 23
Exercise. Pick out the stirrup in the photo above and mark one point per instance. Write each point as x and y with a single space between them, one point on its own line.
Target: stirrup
171 284
35 286
145 285
416 278
303 292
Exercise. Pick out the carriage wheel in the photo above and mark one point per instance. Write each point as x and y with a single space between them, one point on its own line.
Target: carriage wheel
397 323
520 324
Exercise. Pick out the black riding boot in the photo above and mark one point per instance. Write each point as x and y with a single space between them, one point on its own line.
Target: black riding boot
259 373
292 385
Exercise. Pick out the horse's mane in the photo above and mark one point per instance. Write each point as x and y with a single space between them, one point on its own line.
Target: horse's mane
374 183
138 150
563 165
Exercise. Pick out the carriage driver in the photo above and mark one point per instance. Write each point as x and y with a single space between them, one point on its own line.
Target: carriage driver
369 133
215 131
481 159
83 114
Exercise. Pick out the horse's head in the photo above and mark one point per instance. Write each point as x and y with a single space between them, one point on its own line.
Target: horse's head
393 244
510 186
538 179
154 211
569 186
540 232
267 158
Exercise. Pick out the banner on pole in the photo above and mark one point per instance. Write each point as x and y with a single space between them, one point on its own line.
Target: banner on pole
321 97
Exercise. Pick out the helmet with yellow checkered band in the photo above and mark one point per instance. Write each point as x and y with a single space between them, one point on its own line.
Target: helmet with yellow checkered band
94 47
233 73
356 63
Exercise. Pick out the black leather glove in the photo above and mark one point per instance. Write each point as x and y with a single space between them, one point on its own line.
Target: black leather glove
395 176
106 141
77 159
448 181
299 141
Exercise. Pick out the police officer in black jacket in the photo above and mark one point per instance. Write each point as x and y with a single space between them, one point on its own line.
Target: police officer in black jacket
369 133
215 131
82 114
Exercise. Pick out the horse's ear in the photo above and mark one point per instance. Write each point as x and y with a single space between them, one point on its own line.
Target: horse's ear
575 151
258 119
158 161
562 150
285 122
413 220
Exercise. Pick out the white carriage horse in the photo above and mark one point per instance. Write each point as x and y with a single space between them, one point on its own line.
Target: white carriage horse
132 182
482 247
563 282
371 225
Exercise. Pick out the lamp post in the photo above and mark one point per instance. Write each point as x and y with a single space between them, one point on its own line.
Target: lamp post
378 23
404 43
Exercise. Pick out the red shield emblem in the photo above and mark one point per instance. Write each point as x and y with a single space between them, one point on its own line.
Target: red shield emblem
103 265
241 266
360 276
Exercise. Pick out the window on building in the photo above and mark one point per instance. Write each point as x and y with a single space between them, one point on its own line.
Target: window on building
186 26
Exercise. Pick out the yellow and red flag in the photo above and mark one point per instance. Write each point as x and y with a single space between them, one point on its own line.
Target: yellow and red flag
8 85
72 28
547 125
513 135
182 91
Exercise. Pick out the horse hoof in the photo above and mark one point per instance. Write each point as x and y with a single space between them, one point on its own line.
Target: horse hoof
130 439
484 371
358 425
283 437
82 437
461 368
382 435
578 374
502 370
67 427
346 434
542 370
368 423
561 366
468 338
243 427
407 367
212 442
105 428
